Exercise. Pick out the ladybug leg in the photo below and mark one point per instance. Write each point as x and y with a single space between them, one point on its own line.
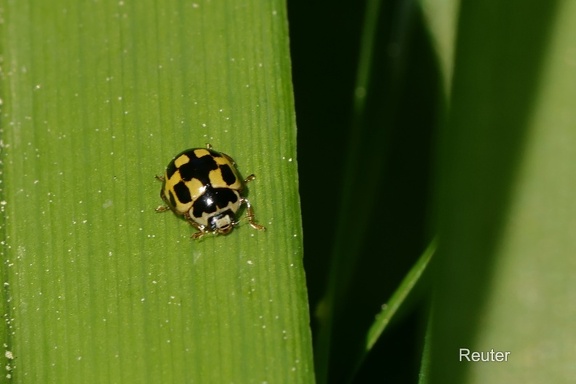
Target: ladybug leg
250 215
160 178
162 208
198 235
250 210
201 230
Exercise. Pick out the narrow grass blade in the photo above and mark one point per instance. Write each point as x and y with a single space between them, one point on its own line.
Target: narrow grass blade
399 296
396 300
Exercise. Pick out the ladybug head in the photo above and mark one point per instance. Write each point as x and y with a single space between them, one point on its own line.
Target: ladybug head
222 223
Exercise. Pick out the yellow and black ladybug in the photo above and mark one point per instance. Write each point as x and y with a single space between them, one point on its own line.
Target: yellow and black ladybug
204 187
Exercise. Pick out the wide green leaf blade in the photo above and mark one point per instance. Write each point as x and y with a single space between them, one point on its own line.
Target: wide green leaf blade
97 97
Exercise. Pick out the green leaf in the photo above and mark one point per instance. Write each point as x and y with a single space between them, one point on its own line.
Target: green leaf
96 99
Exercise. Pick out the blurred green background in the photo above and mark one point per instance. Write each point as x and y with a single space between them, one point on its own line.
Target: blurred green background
365 180
438 117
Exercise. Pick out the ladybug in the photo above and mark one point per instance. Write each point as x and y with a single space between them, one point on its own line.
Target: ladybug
204 186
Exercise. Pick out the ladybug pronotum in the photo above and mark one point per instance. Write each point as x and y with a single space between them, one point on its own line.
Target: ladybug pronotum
204 187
